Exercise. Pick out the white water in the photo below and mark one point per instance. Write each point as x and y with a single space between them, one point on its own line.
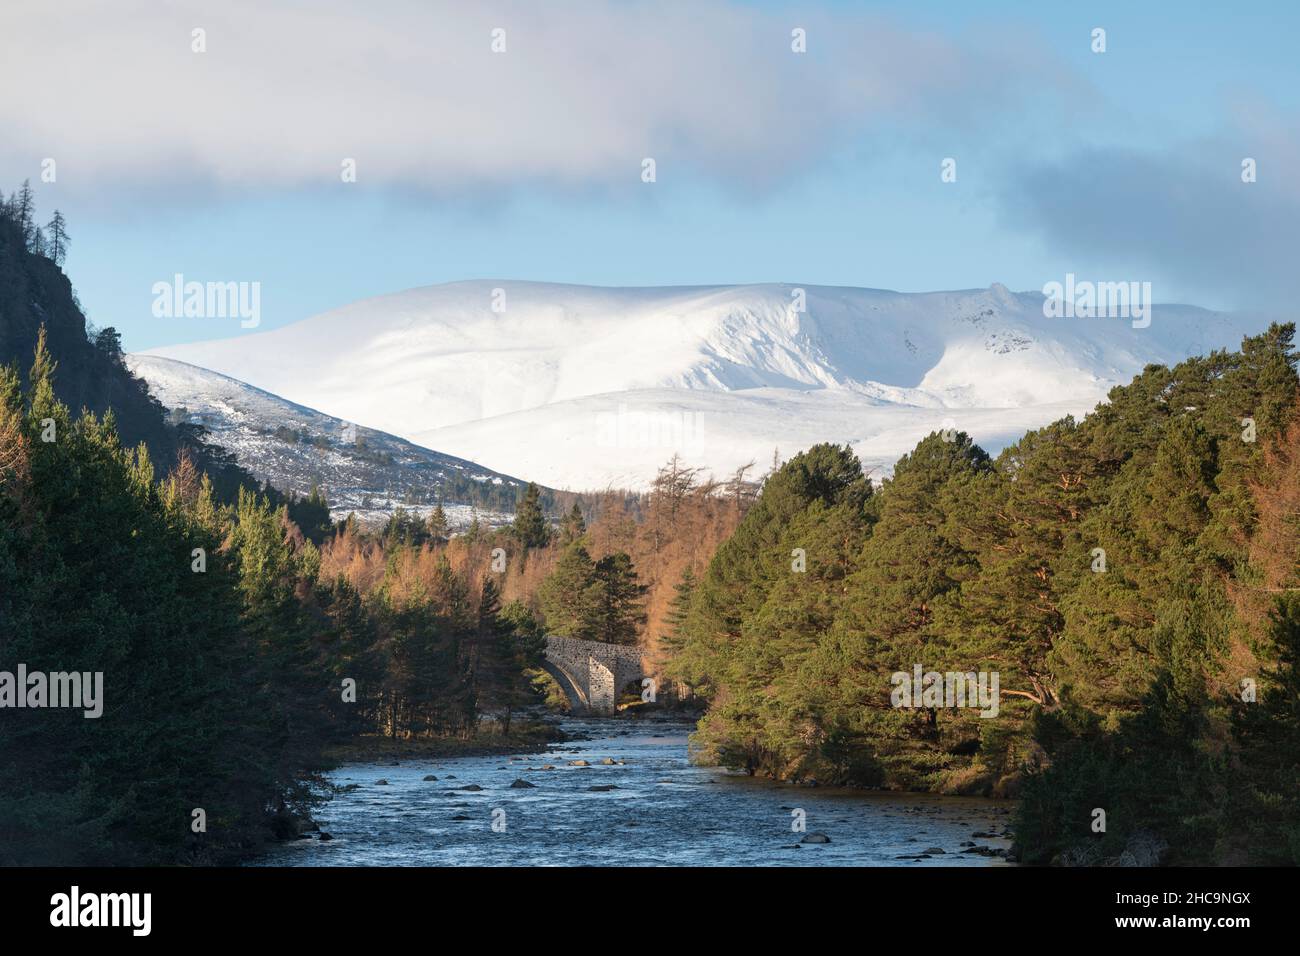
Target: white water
663 812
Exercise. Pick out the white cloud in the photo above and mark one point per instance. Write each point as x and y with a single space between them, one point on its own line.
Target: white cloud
412 91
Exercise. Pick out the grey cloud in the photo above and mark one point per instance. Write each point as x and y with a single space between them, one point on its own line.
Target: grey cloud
1181 214
412 91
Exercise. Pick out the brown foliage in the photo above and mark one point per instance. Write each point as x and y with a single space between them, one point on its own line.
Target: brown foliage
357 558
13 448
1275 547
678 524
1273 551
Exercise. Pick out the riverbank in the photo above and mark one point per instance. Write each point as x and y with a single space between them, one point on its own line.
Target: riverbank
373 748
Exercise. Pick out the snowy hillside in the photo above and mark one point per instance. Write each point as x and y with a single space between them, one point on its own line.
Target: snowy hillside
582 387
361 470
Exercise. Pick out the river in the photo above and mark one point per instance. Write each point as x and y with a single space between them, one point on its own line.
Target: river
659 810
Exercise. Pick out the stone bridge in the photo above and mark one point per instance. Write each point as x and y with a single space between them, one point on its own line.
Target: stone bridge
592 673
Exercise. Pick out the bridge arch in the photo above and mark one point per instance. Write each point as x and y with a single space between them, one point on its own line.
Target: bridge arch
575 692
592 673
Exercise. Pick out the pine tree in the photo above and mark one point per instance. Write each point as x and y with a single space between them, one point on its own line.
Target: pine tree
530 524
573 527
487 653
569 598
674 637
24 212
404 529
620 607
511 644
743 570
95 574
437 525
58 241
312 515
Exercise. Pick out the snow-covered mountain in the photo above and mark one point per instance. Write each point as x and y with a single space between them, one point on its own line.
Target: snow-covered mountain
362 471
582 387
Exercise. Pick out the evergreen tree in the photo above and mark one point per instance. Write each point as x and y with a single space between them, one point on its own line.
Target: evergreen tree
312 515
570 596
512 645
57 238
23 205
573 527
620 607
437 525
743 570
404 529
673 640
109 341
96 576
222 646
530 524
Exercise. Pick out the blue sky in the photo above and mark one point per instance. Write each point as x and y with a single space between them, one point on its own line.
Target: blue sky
820 168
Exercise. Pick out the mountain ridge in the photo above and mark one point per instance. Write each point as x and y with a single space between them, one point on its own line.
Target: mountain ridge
362 471
482 368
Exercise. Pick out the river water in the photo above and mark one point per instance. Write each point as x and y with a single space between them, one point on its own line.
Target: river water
661 811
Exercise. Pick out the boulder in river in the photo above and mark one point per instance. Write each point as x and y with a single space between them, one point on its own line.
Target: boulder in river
579 763
523 785
816 838
325 837
430 777
381 783
608 762
471 787
602 789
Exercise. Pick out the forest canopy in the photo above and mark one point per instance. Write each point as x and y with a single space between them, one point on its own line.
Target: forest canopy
1133 579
